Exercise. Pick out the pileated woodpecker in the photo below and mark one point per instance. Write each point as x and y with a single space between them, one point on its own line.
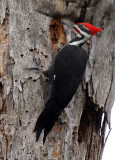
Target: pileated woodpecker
66 74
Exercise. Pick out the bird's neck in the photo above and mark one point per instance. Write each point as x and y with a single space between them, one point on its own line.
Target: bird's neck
78 41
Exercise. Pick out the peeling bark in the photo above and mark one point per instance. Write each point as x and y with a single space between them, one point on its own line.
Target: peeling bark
57 34
31 30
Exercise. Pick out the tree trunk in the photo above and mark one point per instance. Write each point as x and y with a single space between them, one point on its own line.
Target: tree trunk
31 30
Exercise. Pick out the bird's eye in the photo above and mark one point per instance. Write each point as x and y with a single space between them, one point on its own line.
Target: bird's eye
80 25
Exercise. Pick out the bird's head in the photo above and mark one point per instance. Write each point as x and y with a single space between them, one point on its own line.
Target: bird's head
84 29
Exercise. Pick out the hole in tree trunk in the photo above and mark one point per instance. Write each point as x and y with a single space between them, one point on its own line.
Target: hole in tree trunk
57 34
90 119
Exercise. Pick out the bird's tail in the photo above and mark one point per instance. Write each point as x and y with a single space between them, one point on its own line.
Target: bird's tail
47 119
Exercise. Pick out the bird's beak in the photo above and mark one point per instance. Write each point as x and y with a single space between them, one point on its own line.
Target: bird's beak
73 26
68 24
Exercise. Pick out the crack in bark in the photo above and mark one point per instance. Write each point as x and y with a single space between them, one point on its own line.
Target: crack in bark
112 77
90 143
83 11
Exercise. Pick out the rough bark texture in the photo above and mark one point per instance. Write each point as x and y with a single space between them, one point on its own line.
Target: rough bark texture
32 29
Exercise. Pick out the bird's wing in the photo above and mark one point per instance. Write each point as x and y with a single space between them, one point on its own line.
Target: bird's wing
69 68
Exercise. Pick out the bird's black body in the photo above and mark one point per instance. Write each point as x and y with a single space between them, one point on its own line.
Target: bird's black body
69 68
66 72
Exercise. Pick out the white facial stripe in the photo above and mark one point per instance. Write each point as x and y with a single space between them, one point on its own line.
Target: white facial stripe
83 36
78 35
83 32
77 43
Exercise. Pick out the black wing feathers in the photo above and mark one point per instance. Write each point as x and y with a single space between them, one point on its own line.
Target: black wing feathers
69 67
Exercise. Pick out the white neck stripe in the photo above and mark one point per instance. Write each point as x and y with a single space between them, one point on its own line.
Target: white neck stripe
77 43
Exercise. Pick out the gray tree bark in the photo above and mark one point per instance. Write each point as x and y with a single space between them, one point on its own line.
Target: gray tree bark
31 30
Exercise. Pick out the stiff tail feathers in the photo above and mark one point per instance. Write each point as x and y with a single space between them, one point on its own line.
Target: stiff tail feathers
46 120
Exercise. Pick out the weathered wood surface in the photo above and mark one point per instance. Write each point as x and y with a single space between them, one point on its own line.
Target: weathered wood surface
26 33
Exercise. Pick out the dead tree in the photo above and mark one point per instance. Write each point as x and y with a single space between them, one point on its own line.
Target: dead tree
31 30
